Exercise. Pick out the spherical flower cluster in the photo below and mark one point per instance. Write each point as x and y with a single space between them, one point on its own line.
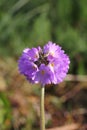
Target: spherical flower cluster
47 65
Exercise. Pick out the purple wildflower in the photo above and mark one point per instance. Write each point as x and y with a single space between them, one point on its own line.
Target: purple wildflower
27 67
44 65
33 54
51 50
43 76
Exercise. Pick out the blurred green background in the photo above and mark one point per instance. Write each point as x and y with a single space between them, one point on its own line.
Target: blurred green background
29 23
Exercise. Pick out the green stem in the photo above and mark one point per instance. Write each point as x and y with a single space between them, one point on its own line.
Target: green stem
42 113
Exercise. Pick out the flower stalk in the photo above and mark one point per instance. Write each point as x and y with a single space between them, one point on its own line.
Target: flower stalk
42 113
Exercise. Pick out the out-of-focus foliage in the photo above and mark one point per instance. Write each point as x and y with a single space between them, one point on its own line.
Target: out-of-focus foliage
5 111
27 23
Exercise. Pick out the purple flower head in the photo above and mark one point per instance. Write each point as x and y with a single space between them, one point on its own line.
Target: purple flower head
27 67
51 50
33 54
44 65
43 74
59 68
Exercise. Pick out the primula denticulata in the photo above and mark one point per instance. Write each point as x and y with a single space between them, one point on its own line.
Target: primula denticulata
47 65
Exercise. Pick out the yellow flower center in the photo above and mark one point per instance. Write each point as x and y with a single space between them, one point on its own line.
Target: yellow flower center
42 72
52 64
52 53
